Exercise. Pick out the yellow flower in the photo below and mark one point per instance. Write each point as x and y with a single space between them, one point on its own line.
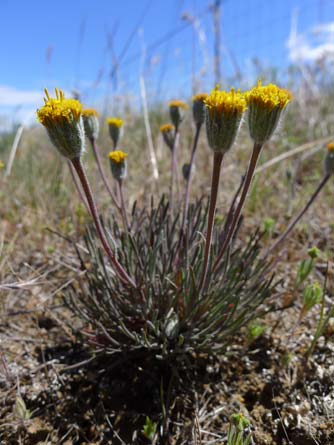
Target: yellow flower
166 128
91 123
176 111
118 164
2 165
224 111
89 112
198 108
117 156
200 96
178 103
62 119
115 122
59 109
269 96
330 146
265 106
223 102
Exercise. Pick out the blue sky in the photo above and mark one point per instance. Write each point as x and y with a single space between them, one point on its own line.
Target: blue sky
71 44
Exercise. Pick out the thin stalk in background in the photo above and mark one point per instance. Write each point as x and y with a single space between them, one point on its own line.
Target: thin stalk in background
248 180
173 169
187 191
103 176
297 218
217 162
123 206
123 275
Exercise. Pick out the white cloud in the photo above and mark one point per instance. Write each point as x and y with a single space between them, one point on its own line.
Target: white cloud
303 47
10 96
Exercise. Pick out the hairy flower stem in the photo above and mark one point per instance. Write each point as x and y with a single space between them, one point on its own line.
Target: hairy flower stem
103 176
248 180
290 227
76 162
77 186
124 212
186 195
173 170
217 162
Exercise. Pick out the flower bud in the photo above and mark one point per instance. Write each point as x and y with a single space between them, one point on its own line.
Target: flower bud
115 129
199 108
91 123
62 119
118 164
223 113
265 107
329 159
2 165
176 111
168 133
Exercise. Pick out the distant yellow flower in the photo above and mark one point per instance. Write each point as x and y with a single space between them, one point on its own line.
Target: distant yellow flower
166 128
117 156
265 106
115 122
62 119
200 96
330 146
118 164
176 111
224 111
168 133
178 103
91 123
2 165
199 108
89 112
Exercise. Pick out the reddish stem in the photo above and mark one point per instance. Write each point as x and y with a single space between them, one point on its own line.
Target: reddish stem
217 161
248 180
123 275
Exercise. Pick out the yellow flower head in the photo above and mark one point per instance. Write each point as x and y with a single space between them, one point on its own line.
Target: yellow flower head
89 112
59 109
268 96
224 111
330 147
115 122
176 111
223 102
62 119
178 104
117 156
166 128
200 97
265 106
198 108
1 165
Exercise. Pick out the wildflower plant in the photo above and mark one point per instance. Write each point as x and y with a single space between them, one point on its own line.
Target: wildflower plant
165 287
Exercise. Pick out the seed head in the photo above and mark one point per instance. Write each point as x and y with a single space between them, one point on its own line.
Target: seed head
329 159
115 125
167 131
91 123
176 111
199 108
2 165
265 107
223 111
62 119
118 164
